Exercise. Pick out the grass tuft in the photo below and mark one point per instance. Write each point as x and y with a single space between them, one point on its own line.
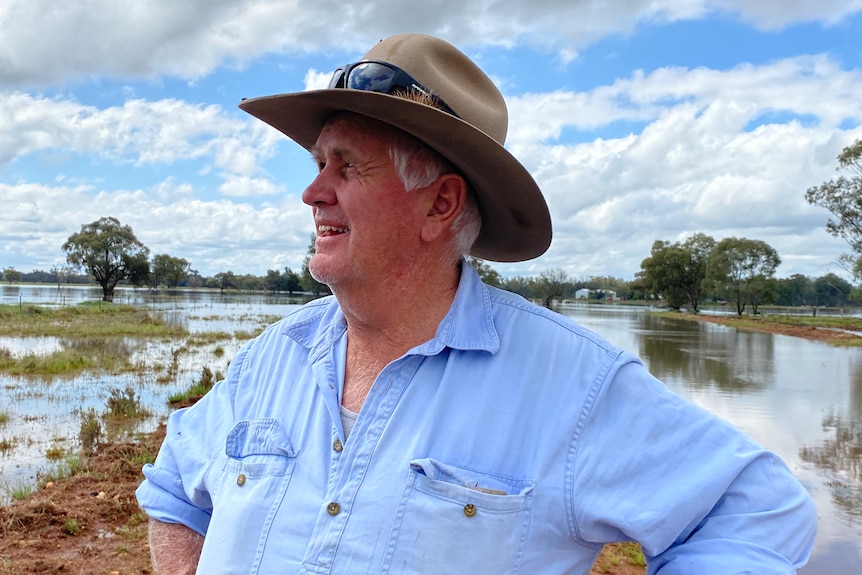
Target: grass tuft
91 430
124 404
199 388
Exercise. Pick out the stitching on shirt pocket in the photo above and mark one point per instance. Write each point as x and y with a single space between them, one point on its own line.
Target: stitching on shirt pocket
457 520
257 471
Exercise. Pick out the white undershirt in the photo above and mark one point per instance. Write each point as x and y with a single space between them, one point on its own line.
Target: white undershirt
348 419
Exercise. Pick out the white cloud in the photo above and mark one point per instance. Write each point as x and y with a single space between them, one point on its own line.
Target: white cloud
697 165
655 155
213 235
47 42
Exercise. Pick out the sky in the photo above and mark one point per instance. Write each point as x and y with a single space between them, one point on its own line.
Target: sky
641 120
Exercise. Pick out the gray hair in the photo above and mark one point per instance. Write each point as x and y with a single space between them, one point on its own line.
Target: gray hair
417 166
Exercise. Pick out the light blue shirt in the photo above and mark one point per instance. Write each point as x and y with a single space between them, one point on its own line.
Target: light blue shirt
514 441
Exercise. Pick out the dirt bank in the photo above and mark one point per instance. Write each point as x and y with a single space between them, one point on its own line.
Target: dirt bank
763 324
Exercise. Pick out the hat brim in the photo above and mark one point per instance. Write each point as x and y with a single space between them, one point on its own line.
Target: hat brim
516 224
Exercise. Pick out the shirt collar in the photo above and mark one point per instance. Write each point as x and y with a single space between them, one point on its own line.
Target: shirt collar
468 325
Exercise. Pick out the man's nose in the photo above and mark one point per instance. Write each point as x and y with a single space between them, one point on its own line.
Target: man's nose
320 190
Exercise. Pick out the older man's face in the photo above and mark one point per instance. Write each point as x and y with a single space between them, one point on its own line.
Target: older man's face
367 225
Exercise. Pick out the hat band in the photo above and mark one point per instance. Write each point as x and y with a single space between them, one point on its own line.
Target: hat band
385 78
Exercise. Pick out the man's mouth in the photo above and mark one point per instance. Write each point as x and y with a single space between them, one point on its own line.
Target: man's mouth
326 231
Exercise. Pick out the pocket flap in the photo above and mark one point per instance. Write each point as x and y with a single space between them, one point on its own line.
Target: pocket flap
474 480
258 437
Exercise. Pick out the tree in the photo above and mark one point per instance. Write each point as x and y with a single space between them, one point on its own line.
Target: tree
11 275
843 198
796 290
676 271
832 291
108 250
488 274
551 285
698 247
290 281
139 270
740 268
310 284
225 280
169 271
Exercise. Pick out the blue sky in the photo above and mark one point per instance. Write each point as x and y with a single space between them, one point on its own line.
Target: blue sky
640 120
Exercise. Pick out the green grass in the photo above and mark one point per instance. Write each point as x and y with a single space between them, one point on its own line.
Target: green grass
834 322
71 526
839 322
616 554
93 338
92 321
91 430
198 388
67 467
4 418
55 453
19 491
125 405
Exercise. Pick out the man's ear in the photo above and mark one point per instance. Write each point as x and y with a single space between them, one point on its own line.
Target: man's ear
447 194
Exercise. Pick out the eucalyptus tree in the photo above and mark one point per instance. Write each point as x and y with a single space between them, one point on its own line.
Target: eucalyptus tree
843 198
108 250
169 270
488 274
676 271
744 271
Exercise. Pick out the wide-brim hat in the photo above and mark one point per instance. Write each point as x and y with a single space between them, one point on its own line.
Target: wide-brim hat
516 224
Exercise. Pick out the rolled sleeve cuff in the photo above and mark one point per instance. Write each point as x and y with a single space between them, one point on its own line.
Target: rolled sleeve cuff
161 496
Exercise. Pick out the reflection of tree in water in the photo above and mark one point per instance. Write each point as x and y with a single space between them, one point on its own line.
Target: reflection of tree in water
842 455
707 355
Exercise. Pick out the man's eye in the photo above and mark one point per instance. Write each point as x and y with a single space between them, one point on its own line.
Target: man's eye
321 166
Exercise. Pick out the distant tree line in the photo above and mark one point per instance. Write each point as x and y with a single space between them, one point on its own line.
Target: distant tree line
109 253
681 274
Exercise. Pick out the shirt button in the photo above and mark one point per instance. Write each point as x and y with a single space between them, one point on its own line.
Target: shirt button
337 445
333 508
240 479
469 510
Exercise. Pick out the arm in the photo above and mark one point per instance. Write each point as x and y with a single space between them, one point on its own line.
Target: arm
696 493
174 548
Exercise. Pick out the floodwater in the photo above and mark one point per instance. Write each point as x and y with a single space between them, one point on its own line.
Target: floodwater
800 398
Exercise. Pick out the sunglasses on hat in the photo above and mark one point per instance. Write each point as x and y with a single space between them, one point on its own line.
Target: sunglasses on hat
382 77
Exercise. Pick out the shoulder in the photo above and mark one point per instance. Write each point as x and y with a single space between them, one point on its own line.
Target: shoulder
516 316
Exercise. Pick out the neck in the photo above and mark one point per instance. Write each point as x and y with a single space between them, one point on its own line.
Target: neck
402 309
386 320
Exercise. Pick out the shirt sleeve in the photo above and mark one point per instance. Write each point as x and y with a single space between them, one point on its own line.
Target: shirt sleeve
176 487
697 494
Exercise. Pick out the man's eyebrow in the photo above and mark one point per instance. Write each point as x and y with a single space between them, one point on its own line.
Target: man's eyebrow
318 154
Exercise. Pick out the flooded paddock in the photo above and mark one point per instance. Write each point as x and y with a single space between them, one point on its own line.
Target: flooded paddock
800 398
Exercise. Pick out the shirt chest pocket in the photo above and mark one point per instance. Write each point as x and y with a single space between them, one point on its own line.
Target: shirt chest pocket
258 467
456 520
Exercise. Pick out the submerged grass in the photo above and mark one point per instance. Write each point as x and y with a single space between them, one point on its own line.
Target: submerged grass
91 321
77 355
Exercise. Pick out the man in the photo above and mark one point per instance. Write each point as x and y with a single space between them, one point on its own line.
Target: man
419 421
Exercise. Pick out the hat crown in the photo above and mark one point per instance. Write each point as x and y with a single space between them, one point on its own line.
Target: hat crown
451 76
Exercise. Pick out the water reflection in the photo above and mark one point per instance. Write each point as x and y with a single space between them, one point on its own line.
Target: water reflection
800 398
705 356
